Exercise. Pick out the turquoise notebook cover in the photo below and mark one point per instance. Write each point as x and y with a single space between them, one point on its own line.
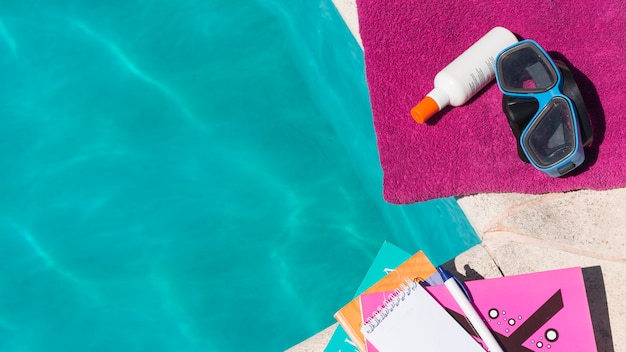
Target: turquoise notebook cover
389 256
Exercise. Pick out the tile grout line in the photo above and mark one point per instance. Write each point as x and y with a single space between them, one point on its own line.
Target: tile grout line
503 236
492 256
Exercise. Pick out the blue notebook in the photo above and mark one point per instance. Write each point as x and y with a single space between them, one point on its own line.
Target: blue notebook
389 256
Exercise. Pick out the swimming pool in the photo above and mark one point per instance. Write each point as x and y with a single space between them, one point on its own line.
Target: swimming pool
189 176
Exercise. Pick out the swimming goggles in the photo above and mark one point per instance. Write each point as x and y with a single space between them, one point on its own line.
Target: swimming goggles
544 108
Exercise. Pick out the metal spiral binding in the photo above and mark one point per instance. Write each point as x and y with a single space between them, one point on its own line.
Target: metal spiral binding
387 307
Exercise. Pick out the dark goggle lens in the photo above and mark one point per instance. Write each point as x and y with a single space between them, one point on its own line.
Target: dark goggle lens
525 69
551 137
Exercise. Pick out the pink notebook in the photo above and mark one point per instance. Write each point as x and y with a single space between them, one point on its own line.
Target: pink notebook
543 311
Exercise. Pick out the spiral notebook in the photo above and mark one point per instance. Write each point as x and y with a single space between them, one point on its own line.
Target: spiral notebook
417 268
412 320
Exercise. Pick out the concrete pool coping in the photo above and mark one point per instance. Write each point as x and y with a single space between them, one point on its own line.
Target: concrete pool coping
524 233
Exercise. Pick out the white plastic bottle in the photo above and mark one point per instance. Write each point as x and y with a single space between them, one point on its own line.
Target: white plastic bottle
466 75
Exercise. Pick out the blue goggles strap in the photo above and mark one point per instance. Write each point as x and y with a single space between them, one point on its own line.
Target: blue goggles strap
520 111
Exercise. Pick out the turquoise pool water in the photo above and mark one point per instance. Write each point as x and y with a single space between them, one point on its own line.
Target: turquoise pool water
189 176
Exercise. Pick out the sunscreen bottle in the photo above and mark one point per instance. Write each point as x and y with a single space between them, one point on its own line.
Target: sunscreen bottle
466 75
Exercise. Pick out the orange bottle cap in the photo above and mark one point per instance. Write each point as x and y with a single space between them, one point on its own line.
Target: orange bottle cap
424 110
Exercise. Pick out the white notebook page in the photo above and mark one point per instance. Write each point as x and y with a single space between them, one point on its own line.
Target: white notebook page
419 323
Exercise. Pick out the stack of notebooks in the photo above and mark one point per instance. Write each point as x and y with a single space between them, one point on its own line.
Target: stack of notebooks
403 305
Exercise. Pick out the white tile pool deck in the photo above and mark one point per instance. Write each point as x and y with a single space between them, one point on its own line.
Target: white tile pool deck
526 233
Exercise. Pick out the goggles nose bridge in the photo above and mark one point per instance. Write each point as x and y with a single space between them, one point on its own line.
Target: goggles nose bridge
545 97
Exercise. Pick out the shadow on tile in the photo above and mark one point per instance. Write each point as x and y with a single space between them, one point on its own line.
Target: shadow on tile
469 275
596 295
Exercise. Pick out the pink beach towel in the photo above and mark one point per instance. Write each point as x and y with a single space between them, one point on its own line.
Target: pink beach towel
470 149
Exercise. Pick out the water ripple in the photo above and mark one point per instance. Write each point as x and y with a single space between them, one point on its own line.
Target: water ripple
27 236
173 307
129 65
6 36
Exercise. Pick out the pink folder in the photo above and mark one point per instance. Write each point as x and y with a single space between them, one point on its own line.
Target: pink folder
536 312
